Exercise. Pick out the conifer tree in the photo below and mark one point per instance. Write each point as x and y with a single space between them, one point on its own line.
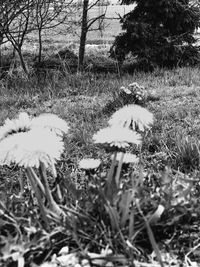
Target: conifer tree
159 33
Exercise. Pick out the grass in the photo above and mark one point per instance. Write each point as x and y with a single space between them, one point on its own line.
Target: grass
170 157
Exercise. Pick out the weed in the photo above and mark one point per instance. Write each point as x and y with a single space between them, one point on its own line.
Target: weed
187 153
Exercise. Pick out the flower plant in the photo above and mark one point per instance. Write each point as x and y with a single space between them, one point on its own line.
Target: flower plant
133 93
112 201
35 143
120 199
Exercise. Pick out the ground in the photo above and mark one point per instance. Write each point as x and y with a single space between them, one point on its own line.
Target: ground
171 147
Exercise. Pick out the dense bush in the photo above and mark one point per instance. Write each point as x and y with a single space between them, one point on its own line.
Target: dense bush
159 33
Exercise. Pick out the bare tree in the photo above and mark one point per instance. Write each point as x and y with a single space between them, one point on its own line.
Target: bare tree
15 22
86 25
18 18
50 14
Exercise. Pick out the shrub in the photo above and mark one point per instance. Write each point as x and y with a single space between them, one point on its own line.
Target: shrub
132 94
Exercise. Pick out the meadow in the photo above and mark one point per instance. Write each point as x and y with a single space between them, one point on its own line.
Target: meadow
161 228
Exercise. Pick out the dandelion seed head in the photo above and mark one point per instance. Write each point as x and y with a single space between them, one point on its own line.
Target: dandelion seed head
89 163
51 122
135 86
28 149
41 146
117 136
127 157
9 148
20 124
132 116
126 90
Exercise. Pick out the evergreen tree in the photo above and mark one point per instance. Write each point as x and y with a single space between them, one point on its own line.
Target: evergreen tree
159 33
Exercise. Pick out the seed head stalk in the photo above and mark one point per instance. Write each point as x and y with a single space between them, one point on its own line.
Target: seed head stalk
52 204
117 177
31 177
37 180
112 168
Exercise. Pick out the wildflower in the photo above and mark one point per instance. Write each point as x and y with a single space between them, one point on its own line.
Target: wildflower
52 122
125 90
21 124
29 149
24 123
117 136
127 158
135 85
8 148
133 117
89 163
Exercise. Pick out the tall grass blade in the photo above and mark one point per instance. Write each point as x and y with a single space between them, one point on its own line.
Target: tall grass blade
151 237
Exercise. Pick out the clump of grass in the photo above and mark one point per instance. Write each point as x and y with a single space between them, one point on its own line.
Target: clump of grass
132 94
187 153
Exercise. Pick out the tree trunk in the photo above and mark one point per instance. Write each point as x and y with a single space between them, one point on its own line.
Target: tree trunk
22 61
84 30
40 44
1 41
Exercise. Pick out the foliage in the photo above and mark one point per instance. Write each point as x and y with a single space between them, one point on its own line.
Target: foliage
159 33
132 94
63 60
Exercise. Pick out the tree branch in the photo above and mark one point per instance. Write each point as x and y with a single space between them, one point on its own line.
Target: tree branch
92 21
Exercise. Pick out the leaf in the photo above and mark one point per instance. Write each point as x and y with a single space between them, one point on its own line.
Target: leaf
182 196
151 237
97 259
124 206
114 217
157 214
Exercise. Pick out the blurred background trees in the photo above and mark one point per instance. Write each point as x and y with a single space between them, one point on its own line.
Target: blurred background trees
50 14
155 33
19 18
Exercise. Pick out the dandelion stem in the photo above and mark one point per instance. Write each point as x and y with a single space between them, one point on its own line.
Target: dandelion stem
119 169
110 185
52 204
37 194
131 223
37 180
59 194
112 168
21 182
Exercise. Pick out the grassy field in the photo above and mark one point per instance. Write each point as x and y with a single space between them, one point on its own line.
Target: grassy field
139 208
67 197
168 174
